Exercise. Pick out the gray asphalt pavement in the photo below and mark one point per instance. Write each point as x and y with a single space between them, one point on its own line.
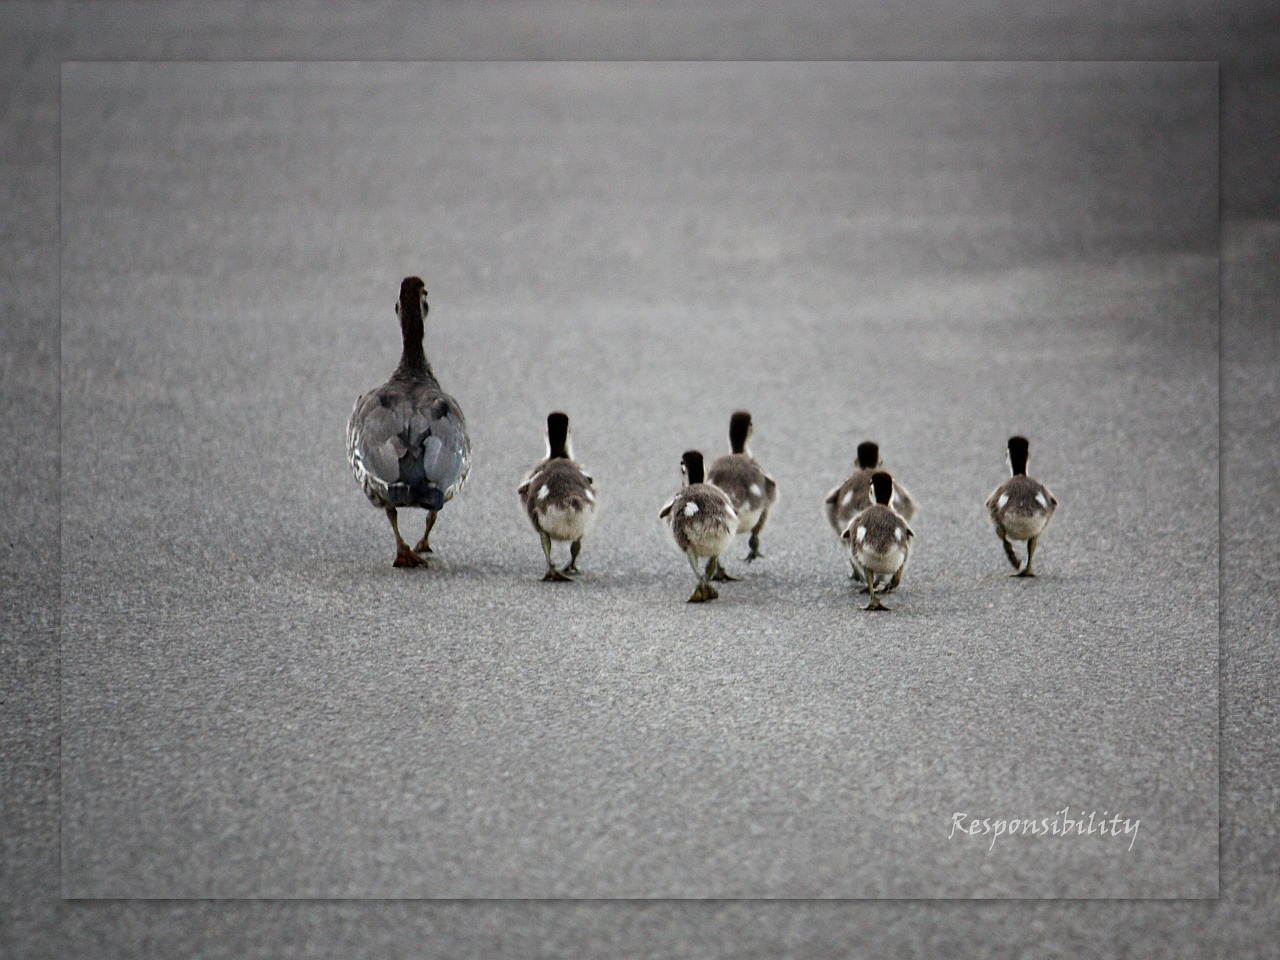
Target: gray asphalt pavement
255 704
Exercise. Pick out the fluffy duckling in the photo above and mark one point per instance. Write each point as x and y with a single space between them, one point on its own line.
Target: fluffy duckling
878 540
559 497
407 441
702 522
854 495
751 491
1020 507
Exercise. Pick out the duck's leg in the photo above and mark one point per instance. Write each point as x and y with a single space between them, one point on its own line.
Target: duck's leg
699 593
1008 547
708 591
423 546
875 603
859 576
552 573
574 549
404 556
754 542
721 575
895 580
1031 552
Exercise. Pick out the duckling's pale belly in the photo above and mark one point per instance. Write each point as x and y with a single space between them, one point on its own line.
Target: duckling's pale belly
888 560
566 523
1022 526
705 538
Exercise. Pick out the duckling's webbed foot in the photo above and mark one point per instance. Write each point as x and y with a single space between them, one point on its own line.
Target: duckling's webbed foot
705 591
720 576
555 576
422 545
754 542
875 604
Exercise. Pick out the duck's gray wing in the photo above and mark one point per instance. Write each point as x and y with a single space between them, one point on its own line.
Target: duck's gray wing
439 450
375 445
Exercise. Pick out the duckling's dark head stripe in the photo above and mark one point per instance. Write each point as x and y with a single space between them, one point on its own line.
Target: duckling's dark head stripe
739 429
558 434
882 484
1018 448
692 463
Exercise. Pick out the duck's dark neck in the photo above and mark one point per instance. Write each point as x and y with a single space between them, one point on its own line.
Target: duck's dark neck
413 360
1018 462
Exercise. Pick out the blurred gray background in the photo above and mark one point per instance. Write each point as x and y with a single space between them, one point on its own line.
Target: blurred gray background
41 926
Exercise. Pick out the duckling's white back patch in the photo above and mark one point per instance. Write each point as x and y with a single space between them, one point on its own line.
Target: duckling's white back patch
861 535
1004 498
756 491
1041 500
690 509
543 493
848 498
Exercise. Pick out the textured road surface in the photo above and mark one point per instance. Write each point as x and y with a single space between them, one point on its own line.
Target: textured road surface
255 704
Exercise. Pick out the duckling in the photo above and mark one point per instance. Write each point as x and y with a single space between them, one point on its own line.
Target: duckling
854 494
879 540
702 522
1021 507
751 491
407 440
559 497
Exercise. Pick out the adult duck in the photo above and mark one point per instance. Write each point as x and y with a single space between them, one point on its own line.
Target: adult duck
407 440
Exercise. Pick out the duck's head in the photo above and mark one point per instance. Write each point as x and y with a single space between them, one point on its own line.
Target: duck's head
411 308
881 487
1016 456
740 430
691 467
868 455
413 299
558 435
